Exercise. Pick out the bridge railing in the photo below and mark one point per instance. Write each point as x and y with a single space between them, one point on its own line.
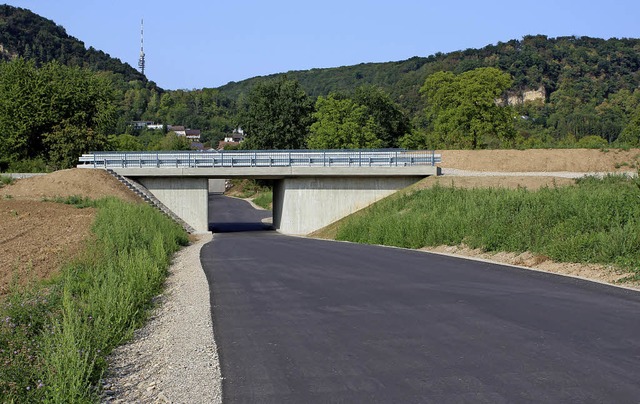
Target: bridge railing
259 158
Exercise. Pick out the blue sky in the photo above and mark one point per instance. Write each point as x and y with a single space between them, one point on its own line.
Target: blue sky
207 43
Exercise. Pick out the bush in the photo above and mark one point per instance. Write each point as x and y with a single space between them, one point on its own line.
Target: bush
37 165
592 142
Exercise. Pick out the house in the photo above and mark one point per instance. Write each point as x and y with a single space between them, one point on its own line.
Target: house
234 139
141 124
192 134
236 136
177 129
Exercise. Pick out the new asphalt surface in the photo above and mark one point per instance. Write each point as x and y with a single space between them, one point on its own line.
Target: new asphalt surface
302 321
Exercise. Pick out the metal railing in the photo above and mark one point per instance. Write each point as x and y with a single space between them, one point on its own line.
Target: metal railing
260 158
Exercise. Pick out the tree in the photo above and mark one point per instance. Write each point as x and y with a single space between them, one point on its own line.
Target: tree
125 142
171 141
463 108
343 124
49 111
391 122
277 115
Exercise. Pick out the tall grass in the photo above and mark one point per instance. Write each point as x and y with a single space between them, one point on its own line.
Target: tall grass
595 221
264 199
93 307
6 180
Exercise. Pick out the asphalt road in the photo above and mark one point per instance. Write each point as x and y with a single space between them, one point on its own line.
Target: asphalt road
301 321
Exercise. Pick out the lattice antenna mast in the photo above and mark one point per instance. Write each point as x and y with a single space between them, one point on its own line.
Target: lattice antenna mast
141 60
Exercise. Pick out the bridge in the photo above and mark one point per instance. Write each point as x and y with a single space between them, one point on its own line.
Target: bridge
312 188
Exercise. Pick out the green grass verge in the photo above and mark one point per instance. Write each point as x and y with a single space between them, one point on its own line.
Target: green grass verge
264 199
54 337
595 221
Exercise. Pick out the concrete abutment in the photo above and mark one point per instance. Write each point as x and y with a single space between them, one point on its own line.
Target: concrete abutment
187 197
303 205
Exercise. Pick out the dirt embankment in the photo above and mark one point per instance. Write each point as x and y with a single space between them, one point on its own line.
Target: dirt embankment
36 237
542 160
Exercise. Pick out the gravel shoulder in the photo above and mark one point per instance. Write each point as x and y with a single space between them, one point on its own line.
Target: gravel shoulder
173 358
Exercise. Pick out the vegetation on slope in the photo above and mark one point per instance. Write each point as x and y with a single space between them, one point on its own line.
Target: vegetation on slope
594 221
54 338
32 37
547 92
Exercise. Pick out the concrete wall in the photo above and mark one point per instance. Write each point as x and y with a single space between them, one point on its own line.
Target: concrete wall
186 197
217 186
303 205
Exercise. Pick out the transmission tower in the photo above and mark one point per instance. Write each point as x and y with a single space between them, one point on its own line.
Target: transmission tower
141 60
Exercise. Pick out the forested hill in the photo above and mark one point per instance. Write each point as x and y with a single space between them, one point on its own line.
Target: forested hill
592 68
28 35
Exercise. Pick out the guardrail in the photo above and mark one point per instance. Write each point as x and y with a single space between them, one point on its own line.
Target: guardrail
256 158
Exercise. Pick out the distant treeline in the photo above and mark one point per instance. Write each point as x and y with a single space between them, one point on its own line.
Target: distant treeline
585 95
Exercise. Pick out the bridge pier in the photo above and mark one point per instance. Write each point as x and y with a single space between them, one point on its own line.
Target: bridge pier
303 205
187 197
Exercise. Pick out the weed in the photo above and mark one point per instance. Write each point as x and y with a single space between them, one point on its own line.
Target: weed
8 196
264 199
54 341
595 221
6 180
78 201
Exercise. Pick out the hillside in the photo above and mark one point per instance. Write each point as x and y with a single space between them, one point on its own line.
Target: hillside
561 92
28 35
600 66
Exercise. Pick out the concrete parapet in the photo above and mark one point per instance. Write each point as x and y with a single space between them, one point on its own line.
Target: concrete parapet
280 172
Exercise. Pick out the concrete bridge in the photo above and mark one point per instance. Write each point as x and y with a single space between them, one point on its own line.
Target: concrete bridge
311 188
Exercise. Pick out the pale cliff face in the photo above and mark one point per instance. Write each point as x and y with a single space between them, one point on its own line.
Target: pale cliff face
527 96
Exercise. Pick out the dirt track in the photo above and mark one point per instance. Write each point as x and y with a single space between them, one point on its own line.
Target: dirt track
36 236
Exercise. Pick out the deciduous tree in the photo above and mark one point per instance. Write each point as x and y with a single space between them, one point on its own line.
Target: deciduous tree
343 124
277 115
463 108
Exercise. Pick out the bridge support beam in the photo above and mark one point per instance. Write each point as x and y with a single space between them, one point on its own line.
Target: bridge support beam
303 205
187 197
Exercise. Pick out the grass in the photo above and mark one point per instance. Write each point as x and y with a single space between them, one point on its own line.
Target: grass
264 199
78 201
54 337
595 221
259 191
6 180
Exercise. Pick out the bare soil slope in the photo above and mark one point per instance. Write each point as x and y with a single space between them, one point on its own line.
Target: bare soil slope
36 237
542 160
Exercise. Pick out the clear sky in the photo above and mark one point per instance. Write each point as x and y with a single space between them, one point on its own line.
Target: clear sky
207 43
